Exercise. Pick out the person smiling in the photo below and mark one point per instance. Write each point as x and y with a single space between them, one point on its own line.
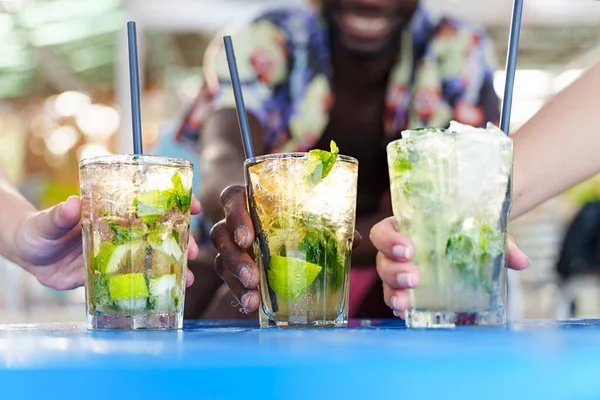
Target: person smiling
354 71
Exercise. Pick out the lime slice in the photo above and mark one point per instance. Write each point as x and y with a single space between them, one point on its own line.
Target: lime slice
102 259
151 206
111 257
165 243
127 286
291 277
97 242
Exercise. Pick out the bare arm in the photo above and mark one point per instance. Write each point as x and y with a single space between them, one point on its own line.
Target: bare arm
222 157
15 209
46 243
559 146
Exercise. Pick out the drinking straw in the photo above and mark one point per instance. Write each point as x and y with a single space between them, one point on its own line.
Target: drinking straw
511 66
239 98
249 152
134 82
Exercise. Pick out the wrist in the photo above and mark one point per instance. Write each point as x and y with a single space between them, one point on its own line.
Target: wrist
14 212
14 245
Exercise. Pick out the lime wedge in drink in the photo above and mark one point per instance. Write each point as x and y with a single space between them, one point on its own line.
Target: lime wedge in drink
102 259
163 240
291 277
129 291
127 286
111 257
151 206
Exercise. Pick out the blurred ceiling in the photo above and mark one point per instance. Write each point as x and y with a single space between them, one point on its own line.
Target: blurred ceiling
47 46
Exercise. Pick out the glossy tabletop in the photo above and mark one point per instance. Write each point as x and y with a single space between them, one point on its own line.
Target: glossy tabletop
369 360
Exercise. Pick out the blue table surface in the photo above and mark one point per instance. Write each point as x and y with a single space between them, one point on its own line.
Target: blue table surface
370 359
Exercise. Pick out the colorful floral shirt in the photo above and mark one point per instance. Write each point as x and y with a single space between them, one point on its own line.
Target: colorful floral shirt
444 71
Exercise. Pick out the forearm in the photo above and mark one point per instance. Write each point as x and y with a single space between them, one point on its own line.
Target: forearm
222 157
558 147
12 214
210 193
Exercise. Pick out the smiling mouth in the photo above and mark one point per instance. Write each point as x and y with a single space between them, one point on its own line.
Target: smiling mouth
367 24
366 27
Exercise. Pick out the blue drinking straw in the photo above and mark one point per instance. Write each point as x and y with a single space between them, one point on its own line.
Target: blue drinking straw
239 98
511 65
249 152
134 82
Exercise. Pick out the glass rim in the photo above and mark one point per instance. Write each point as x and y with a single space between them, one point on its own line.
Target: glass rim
134 159
276 156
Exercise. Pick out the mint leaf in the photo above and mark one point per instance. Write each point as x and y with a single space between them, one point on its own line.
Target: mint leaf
177 184
428 130
99 291
150 219
151 206
184 199
320 163
472 250
321 247
125 235
401 165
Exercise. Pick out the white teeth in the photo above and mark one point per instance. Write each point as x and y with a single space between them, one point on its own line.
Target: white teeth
367 24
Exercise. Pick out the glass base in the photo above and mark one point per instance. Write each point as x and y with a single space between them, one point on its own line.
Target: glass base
314 324
451 319
291 323
123 322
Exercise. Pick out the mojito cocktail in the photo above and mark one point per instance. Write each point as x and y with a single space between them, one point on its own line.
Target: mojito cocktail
303 207
135 221
450 195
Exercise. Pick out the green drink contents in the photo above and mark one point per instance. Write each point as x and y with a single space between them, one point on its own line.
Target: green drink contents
135 222
450 193
303 207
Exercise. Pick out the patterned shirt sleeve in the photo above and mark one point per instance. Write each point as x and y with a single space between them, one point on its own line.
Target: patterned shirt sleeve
468 67
479 104
262 62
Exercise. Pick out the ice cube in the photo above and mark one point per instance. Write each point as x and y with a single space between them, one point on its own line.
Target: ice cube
484 165
278 185
491 128
334 196
462 128
412 133
102 230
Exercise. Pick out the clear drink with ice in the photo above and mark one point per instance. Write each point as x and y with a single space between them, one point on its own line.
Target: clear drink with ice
303 207
450 195
135 222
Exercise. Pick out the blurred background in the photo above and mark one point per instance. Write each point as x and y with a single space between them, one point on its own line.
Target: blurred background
64 95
